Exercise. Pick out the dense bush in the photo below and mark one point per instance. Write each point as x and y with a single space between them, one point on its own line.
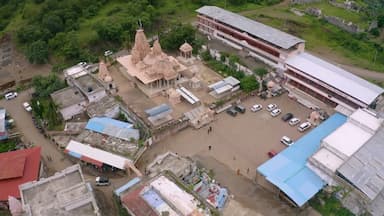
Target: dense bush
37 52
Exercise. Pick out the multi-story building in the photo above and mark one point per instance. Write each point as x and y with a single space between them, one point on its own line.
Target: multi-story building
329 83
268 44
305 72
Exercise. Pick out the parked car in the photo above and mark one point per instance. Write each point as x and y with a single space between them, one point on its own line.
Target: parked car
275 112
271 107
82 63
287 117
10 95
256 107
272 153
108 53
102 181
232 112
286 141
27 107
294 121
304 126
240 109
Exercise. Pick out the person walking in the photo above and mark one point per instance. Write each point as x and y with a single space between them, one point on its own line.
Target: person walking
209 148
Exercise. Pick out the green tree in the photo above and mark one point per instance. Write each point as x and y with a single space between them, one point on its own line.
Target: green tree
233 59
249 83
51 115
53 23
380 20
177 35
261 72
37 52
375 32
44 86
109 30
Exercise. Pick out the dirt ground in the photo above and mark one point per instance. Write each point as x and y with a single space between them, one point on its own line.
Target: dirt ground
59 161
15 67
240 142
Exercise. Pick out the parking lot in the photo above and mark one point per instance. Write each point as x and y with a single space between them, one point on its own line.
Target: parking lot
240 142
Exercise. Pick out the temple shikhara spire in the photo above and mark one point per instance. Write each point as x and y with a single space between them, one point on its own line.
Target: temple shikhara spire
150 66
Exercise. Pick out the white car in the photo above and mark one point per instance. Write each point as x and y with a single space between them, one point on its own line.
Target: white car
294 121
256 107
27 107
304 126
275 112
108 53
10 95
271 107
286 141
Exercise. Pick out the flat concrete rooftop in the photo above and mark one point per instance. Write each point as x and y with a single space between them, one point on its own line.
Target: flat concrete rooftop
67 97
88 83
63 194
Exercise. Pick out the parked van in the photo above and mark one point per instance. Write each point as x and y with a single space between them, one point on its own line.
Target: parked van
304 126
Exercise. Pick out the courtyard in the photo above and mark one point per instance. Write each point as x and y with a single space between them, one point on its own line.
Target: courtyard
239 143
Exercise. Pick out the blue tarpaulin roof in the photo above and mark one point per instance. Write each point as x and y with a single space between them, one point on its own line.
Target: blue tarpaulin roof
287 170
112 127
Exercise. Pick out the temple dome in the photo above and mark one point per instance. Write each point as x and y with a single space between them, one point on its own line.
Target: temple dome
186 47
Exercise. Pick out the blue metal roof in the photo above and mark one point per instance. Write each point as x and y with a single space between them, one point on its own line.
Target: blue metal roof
112 127
157 110
128 185
153 199
287 170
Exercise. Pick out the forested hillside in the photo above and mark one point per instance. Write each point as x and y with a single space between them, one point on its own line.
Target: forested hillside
82 29
74 30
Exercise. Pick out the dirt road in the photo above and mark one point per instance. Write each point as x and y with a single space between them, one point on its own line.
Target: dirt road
24 124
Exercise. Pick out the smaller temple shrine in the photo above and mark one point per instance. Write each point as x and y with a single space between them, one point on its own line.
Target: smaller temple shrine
186 50
150 68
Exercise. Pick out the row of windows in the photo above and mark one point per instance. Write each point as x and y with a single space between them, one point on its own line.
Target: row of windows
323 89
235 33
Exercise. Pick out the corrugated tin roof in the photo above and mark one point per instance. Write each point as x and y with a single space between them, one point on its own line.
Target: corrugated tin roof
336 77
158 109
264 32
112 127
10 187
287 170
365 169
127 186
2 120
97 154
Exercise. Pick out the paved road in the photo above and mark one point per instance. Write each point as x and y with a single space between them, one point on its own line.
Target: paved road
25 125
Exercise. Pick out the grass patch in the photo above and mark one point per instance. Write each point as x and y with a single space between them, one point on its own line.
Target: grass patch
328 205
323 38
7 145
330 10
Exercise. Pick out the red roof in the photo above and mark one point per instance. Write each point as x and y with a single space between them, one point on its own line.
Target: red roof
18 167
92 161
136 204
